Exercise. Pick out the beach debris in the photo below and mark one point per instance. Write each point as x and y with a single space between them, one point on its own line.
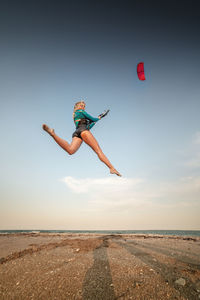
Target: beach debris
137 284
2 260
180 281
70 259
198 287
189 239
77 250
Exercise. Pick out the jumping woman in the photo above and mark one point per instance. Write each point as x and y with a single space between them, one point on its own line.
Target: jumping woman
83 122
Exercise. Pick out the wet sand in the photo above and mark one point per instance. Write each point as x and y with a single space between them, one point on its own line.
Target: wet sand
98 266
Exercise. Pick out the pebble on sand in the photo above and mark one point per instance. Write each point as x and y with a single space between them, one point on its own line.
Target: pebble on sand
181 281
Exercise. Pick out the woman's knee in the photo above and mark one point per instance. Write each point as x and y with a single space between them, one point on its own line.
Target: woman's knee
74 146
71 151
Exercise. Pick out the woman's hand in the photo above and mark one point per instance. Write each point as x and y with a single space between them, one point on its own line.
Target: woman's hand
103 114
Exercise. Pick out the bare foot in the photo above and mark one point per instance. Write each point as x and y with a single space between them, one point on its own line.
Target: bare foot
114 171
47 129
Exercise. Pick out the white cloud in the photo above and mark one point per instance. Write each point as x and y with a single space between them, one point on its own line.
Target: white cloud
193 153
115 194
134 203
197 138
186 189
111 193
100 185
193 162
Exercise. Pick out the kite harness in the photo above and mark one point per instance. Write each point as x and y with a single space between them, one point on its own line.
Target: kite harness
84 121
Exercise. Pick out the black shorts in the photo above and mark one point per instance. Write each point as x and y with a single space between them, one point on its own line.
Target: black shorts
78 131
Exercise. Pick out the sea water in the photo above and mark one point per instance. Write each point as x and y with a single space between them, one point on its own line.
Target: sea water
153 232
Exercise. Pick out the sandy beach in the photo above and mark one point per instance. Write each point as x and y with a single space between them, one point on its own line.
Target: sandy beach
98 266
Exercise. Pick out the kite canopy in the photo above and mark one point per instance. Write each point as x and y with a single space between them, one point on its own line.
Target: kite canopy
140 71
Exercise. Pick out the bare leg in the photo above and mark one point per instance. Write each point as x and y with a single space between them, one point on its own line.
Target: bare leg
69 148
89 139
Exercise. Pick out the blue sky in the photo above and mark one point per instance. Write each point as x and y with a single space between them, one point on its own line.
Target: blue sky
55 53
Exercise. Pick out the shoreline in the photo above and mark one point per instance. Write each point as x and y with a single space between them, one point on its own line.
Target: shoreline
99 266
115 231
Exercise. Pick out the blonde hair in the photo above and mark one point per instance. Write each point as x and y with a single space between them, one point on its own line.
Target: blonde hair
77 105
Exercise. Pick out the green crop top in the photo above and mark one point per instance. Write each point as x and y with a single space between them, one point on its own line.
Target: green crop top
81 114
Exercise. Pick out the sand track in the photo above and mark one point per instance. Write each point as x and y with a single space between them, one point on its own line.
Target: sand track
107 267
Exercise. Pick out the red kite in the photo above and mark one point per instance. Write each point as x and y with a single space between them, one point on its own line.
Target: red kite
140 71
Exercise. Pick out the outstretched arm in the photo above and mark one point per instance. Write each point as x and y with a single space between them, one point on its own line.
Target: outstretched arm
94 120
89 117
